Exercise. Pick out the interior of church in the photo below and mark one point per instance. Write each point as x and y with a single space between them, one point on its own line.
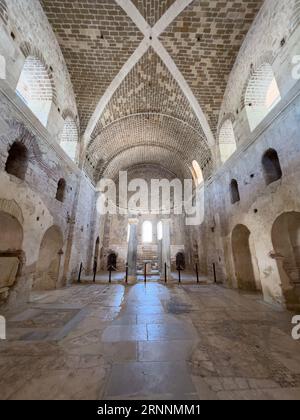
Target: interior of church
149 207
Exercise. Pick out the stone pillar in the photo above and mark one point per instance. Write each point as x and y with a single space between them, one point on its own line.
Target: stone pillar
166 251
132 251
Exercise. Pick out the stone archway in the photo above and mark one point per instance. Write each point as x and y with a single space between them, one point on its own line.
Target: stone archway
48 265
242 258
286 242
11 239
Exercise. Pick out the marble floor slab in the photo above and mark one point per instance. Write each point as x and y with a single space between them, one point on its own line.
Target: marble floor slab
99 341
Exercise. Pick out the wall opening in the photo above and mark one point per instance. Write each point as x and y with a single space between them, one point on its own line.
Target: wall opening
159 230
61 190
17 161
35 89
147 232
227 142
262 95
234 191
271 166
11 239
69 139
286 242
112 261
180 261
48 265
242 258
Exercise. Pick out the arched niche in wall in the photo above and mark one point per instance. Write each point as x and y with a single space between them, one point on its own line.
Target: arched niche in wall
48 265
286 243
61 190
227 142
17 160
234 192
35 88
69 139
11 239
112 261
262 95
271 166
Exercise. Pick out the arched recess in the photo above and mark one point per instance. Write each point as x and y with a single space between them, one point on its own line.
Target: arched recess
262 95
48 265
242 257
61 190
11 239
234 192
286 243
35 87
271 166
17 160
69 138
227 142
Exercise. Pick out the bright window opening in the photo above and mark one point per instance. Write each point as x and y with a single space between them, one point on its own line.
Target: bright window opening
147 232
69 138
227 141
159 231
262 95
35 89
197 172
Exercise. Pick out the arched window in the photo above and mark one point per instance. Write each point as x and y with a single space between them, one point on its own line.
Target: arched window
227 141
61 190
262 95
234 190
69 138
159 231
35 89
17 160
197 173
128 232
147 232
271 166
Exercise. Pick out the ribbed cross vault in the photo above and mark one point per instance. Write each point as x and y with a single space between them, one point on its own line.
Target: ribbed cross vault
149 76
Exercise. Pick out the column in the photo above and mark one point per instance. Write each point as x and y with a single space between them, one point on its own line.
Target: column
132 251
166 251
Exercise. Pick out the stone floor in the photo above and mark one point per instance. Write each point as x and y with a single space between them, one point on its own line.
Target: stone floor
149 342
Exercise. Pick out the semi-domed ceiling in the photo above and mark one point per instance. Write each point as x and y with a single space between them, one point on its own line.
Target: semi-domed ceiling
149 76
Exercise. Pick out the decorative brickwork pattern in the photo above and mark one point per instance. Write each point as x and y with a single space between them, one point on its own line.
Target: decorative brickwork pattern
152 10
204 42
147 133
96 38
149 87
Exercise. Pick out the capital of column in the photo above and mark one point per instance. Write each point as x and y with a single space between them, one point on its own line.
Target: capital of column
133 221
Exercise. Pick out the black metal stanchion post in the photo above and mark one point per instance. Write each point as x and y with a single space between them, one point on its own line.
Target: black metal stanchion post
165 272
145 273
109 275
126 279
197 273
79 274
95 271
215 274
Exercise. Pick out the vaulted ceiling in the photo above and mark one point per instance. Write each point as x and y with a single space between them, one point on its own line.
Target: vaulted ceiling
149 76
